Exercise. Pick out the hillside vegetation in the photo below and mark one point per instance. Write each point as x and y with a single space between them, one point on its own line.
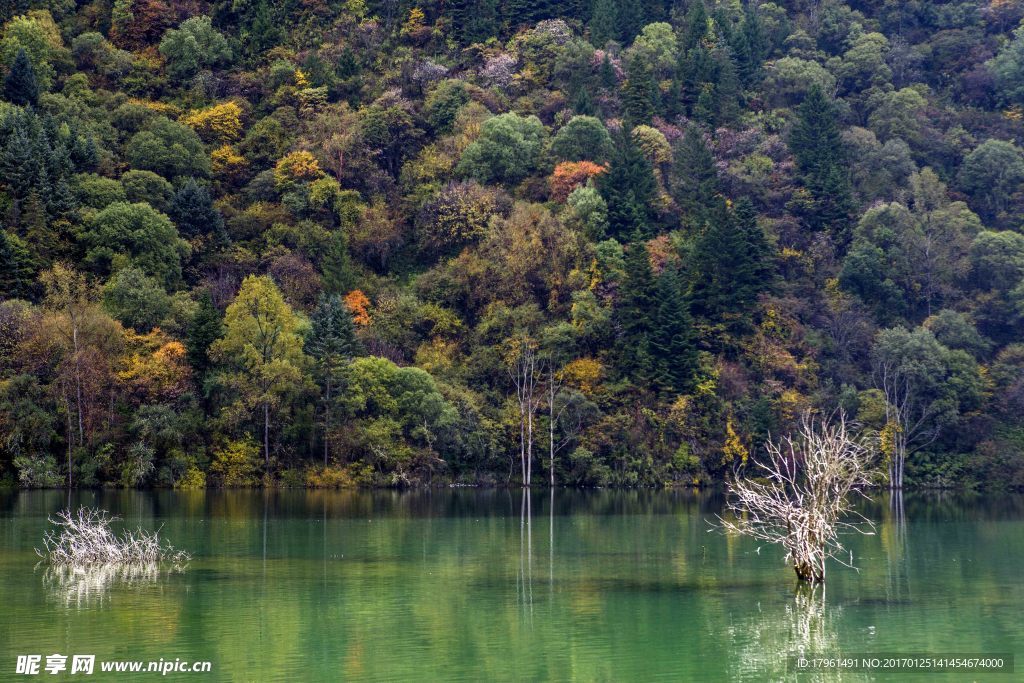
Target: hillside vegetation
335 243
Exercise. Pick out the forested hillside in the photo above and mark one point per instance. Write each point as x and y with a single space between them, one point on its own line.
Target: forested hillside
330 243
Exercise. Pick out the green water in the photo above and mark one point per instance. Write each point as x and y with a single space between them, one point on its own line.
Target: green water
487 585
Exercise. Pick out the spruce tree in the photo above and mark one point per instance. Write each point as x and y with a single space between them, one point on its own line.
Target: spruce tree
205 328
817 146
193 212
636 307
629 189
336 264
16 268
731 266
695 187
640 96
604 22
674 339
332 343
21 86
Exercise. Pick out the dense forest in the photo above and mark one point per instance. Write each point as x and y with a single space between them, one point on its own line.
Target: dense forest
615 243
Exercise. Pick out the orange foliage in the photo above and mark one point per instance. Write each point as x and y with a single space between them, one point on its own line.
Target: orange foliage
572 174
359 305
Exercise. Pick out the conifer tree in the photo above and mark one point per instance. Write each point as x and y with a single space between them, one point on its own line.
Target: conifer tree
629 189
604 22
16 268
193 212
205 328
732 265
20 86
637 305
640 96
674 342
817 146
332 344
695 187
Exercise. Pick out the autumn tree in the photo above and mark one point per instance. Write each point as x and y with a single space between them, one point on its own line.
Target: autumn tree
261 353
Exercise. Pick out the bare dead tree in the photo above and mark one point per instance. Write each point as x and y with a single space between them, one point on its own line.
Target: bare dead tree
801 501
525 370
564 425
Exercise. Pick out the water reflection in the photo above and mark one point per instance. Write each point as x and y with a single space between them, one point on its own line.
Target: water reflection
82 587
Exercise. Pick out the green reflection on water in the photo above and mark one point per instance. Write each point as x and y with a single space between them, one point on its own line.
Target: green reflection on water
493 585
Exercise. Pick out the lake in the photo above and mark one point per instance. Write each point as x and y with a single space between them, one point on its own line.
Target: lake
496 586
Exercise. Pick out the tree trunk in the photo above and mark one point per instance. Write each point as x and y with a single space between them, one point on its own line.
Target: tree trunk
266 434
78 383
327 420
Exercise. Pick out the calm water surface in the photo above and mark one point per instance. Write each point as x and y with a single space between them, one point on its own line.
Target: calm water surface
492 585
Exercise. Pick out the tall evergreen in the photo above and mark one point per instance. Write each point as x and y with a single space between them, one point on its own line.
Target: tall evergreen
21 86
635 311
16 269
640 97
604 22
674 337
193 212
332 343
205 328
336 264
473 21
631 19
817 146
695 187
629 189
731 266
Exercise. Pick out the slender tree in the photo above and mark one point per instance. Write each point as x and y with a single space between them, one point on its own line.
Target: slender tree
332 344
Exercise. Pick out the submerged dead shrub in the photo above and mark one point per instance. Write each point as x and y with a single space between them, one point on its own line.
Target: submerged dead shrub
85 539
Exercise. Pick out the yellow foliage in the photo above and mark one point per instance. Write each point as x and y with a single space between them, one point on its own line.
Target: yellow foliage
226 162
887 439
219 123
329 477
162 375
733 448
301 81
583 373
168 110
235 463
193 478
296 167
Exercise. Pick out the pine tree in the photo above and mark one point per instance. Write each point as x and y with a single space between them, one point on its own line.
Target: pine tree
205 328
193 212
696 27
16 268
473 21
629 189
817 145
20 86
631 20
637 304
695 187
674 342
604 22
337 265
332 343
640 96
732 265
727 89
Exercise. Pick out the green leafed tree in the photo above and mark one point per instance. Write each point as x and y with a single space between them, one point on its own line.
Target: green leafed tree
262 357
126 234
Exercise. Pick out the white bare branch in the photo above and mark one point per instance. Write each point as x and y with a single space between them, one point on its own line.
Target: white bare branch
800 499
